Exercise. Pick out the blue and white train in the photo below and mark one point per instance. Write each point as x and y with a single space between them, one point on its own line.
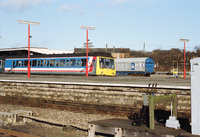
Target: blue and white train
134 66
98 64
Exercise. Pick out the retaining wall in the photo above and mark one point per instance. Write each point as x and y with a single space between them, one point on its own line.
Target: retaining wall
120 100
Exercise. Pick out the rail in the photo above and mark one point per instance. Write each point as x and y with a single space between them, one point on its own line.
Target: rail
10 133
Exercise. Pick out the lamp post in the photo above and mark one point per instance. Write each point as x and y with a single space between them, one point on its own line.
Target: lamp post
87 50
184 40
29 23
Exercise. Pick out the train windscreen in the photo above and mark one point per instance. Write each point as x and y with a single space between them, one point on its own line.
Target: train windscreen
106 63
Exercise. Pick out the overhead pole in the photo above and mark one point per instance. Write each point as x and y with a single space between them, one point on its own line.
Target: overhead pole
28 23
87 50
184 70
29 66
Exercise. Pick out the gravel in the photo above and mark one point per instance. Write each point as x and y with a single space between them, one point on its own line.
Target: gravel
77 123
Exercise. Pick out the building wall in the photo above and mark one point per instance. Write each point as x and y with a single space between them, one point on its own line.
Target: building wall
120 55
116 52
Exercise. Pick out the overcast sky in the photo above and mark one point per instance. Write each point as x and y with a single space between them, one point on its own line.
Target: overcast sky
120 23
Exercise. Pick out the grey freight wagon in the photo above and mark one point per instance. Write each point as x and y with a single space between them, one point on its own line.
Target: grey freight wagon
131 66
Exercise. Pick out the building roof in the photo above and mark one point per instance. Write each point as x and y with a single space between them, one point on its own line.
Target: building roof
111 50
38 50
105 54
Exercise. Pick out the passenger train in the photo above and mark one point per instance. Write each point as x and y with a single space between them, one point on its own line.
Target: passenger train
98 64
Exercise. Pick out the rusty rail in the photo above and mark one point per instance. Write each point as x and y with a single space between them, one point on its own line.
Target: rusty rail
10 133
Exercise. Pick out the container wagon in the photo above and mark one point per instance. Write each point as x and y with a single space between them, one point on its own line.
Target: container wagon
134 66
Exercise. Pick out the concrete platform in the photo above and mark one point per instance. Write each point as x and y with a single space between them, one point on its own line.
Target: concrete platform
123 127
164 81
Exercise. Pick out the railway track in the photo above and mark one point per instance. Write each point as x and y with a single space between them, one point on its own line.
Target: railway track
10 133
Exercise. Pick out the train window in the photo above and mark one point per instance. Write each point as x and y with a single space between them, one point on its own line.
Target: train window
17 62
112 64
34 63
0 63
48 63
38 63
102 62
22 63
72 62
83 62
45 63
42 63
56 63
62 62
107 61
143 65
26 63
13 63
67 62
93 62
77 62
52 63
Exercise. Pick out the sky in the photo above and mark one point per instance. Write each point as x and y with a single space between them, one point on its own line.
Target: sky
120 23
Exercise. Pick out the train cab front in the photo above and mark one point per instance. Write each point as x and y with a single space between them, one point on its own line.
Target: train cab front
105 66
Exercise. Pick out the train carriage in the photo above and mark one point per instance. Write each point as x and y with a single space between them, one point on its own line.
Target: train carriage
1 65
98 64
131 66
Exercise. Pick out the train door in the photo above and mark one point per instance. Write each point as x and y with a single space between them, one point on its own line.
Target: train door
2 65
149 65
94 62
